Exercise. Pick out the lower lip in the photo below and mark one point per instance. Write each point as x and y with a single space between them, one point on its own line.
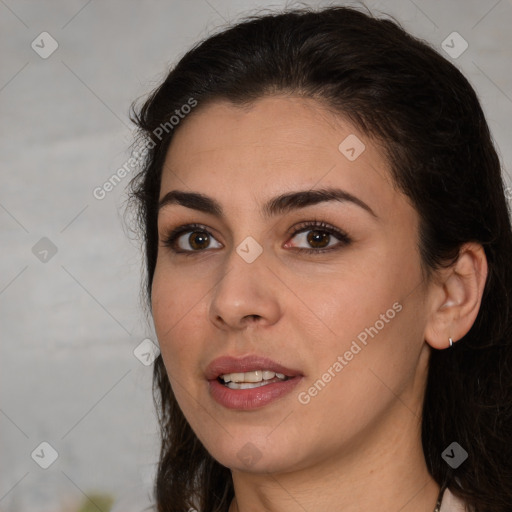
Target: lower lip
245 399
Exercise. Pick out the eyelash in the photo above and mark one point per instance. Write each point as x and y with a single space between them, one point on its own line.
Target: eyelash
344 239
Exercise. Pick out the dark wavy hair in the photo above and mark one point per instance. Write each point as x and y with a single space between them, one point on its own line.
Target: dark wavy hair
427 118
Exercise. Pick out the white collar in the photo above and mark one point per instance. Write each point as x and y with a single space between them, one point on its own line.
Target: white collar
451 503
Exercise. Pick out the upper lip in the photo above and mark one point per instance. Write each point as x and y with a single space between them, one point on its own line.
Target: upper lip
229 364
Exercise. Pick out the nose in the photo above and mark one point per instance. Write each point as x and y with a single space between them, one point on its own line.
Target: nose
246 294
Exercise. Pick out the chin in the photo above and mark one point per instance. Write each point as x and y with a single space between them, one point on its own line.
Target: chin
254 454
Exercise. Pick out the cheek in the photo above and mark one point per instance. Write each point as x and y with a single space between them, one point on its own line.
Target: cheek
179 309
171 312
370 319
337 307
173 298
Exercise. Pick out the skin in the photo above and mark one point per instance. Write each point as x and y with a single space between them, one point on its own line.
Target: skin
355 445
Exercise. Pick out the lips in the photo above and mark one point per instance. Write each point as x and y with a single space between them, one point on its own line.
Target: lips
229 364
241 398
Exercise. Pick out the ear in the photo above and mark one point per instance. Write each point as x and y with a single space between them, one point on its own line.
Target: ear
455 297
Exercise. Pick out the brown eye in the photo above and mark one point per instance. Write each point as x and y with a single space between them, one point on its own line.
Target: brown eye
317 236
196 236
318 239
198 240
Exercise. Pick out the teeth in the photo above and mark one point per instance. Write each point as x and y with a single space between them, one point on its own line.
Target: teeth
257 376
246 385
234 377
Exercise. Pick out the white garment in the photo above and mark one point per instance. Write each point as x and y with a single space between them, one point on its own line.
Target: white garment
451 503
139 501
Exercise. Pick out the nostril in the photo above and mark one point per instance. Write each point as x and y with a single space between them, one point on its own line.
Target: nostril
253 317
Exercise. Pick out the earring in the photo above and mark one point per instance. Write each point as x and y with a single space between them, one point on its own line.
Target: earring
451 342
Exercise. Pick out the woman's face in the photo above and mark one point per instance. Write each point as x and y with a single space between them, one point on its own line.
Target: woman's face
338 308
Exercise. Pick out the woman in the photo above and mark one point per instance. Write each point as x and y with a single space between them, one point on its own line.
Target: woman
328 270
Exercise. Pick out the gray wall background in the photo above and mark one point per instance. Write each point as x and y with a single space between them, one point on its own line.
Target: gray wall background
70 321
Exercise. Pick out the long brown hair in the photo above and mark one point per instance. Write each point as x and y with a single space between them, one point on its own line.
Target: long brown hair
400 91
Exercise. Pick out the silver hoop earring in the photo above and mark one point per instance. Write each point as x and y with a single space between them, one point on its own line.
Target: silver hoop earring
451 342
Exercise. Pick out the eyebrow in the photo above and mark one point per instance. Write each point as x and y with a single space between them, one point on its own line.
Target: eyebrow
278 205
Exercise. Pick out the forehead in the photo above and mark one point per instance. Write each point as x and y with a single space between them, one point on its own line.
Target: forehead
276 125
275 144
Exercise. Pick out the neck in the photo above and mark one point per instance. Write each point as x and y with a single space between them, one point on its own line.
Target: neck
371 475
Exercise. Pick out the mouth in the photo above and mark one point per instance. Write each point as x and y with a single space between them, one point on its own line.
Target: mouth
249 382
